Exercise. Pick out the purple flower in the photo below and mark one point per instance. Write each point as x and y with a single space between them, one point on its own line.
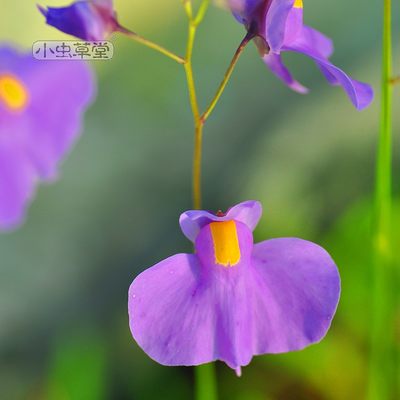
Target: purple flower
87 20
41 104
233 299
277 26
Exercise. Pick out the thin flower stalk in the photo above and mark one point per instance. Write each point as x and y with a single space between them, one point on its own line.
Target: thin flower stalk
152 45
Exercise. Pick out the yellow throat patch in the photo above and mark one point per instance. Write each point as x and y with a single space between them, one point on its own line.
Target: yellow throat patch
298 4
226 243
13 93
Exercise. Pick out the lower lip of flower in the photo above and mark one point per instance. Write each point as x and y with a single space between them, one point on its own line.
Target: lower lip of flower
13 93
226 243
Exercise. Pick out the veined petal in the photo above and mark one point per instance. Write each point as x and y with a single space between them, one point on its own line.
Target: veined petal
233 300
295 293
248 212
166 312
185 312
182 315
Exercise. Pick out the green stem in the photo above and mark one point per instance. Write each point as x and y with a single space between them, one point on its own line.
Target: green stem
226 78
154 46
198 125
206 384
187 6
189 73
197 158
201 12
381 369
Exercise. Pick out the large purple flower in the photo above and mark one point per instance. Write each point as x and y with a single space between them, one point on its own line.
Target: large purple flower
41 105
87 20
277 26
233 299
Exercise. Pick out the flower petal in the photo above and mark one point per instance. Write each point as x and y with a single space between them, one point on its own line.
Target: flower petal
294 24
243 10
55 122
360 94
295 293
17 178
87 20
297 32
167 314
182 315
58 95
276 65
69 19
315 41
108 4
191 222
34 141
249 213
275 23
183 312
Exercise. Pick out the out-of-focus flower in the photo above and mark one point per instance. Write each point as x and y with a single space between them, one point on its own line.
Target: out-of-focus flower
232 299
277 26
41 105
88 20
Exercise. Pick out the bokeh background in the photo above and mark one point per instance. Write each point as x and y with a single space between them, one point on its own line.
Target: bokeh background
64 275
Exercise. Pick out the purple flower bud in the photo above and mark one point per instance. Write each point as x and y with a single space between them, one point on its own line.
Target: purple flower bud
87 20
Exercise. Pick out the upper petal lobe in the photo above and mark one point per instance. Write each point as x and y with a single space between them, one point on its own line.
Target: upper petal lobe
248 212
276 22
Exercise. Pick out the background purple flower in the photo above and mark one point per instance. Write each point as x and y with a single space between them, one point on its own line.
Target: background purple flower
41 106
232 300
278 27
87 20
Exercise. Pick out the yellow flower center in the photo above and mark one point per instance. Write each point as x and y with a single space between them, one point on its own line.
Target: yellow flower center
226 243
298 3
13 93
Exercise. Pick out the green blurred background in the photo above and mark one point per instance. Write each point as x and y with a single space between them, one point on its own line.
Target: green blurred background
65 274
